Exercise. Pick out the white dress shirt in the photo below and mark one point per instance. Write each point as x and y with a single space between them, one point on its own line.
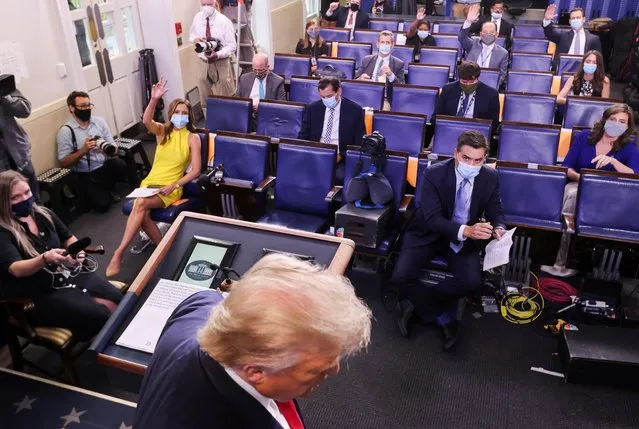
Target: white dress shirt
497 22
484 57
458 181
221 28
378 67
255 90
334 137
582 42
267 403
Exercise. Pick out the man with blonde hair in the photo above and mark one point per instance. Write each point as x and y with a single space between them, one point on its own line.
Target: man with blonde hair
282 330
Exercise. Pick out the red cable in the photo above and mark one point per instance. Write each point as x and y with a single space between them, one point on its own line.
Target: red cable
556 290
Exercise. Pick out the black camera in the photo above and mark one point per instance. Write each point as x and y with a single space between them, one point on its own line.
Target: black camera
212 45
374 145
108 148
7 84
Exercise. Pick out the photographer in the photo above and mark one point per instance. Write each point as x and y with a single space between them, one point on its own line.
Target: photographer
86 146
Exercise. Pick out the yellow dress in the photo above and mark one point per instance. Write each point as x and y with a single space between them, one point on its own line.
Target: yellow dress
171 161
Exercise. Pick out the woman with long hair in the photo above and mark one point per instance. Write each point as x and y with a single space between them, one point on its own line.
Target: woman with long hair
607 147
312 43
589 80
418 35
178 146
34 265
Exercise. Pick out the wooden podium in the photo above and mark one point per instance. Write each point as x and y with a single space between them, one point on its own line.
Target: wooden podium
253 239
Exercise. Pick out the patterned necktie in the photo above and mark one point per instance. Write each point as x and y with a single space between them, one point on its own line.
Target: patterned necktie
350 18
208 29
463 106
329 127
261 89
460 214
578 44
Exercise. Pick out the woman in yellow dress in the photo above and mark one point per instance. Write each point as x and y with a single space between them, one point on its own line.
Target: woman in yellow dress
178 146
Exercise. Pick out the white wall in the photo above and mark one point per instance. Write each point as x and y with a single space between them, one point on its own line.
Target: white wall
184 11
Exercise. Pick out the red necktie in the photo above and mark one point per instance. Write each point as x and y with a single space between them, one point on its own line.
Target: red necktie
289 412
208 30
350 18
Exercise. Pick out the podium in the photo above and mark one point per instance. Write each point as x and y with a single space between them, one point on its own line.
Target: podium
250 242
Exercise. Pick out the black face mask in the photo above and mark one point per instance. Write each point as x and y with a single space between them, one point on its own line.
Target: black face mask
83 115
23 208
354 7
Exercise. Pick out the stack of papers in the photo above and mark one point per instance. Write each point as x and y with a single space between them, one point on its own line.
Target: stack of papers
143 192
498 251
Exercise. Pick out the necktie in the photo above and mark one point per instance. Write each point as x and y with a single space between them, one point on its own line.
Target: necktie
350 18
461 112
329 127
462 206
289 412
578 44
261 89
496 25
378 65
208 29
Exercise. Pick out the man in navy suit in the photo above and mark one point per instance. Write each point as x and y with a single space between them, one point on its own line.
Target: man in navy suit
494 12
456 195
347 17
578 41
333 120
229 364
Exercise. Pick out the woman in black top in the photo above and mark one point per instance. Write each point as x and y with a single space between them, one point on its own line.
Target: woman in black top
419 35
382 7
33 265
312 44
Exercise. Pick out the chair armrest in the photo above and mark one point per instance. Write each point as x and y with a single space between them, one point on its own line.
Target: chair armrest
96 250
569 222
333 193
267 183
407 201
231 183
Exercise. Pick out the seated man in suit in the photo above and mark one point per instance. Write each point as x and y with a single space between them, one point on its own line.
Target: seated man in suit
575 42
347 17
485 52
227 363
456 195
260 84
334 120
383 67
495 15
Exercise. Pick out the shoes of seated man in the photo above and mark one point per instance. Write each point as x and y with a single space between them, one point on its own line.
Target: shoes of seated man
451 333
405 310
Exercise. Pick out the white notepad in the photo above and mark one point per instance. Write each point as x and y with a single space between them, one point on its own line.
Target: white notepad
143 192
498 251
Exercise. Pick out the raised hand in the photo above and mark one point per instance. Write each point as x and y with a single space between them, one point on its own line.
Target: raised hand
159 89
473 13
421 13
333 6
551 12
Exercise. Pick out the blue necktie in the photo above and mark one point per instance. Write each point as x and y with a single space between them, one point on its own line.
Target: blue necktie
464 106
460 214
378 65
261 89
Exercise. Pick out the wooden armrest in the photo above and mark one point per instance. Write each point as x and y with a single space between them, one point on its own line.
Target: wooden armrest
569 222
333 193
406 202
267 183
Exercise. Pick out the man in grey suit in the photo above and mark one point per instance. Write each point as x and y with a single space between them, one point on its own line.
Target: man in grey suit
485 52
383 67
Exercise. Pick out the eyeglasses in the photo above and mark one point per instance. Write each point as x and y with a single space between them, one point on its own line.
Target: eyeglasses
85 106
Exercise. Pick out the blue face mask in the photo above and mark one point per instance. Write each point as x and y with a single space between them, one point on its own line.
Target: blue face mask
23 208
468 171
576 23
615 129
590 68
179 121
496 15
385 49
422 34
330 102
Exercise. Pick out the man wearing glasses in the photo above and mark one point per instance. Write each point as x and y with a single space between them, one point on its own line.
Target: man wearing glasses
86 146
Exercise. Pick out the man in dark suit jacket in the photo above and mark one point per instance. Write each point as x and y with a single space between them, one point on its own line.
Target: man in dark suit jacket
347 17
383 67
495 14
228 364
346 128
456 195
578 41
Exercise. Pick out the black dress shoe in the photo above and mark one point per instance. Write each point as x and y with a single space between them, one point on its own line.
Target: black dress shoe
406 310
451 334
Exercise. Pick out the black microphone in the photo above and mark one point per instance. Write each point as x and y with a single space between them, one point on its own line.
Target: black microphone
215 176
78 246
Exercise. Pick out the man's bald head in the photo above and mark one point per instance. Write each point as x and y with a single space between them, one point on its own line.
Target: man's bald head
260 61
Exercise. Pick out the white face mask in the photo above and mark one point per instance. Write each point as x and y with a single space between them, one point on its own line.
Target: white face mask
208 10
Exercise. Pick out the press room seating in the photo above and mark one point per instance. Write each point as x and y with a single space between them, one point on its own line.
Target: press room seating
585 111
525 44
531 62
533 108
364 93
279 119
355 50
291 65
335 34
228 114
345 65
568 63
366 36
532 82
448 41
425 160
415 99
428 75
448 129
404 132
490 77
404 53
443 27
303 89
439 56
529 143
383 24
531 31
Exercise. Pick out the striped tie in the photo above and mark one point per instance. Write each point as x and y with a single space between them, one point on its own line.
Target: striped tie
329 127
460 213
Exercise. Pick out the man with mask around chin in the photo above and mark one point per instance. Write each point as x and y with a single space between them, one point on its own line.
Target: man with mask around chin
460 211
347 17
95 165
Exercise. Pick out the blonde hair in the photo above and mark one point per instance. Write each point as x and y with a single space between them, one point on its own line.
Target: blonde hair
8 221
281 310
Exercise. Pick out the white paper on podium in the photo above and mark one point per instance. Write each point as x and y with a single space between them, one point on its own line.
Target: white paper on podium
143 192
144 330
498 251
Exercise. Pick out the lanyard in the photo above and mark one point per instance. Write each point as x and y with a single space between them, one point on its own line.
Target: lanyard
471 99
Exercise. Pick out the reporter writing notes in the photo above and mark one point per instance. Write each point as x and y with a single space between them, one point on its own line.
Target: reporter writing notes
242 361
261 84
95 168
454 195
589 79
312 43
32 239
177 147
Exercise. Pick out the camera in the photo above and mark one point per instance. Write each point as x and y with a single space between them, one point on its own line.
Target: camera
108 148
374 145
7 84
208 46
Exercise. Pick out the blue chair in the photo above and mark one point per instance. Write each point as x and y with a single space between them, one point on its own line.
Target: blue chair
490 77
530 31
404 132
383 24
303 89
448 41
364 93
529 143
366 36
425 160
354 50
568 63
228 114
524 44
345 65
448 129
279 119
291 65
607 205
564 79
415 99
585 111
532 82
305 176
443 27
531 108
335 34
192 195
440 56
428 75
404 53
532 196
531 62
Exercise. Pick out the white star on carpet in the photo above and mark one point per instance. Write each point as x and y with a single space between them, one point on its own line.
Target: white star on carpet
123 426
72 417
25 404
